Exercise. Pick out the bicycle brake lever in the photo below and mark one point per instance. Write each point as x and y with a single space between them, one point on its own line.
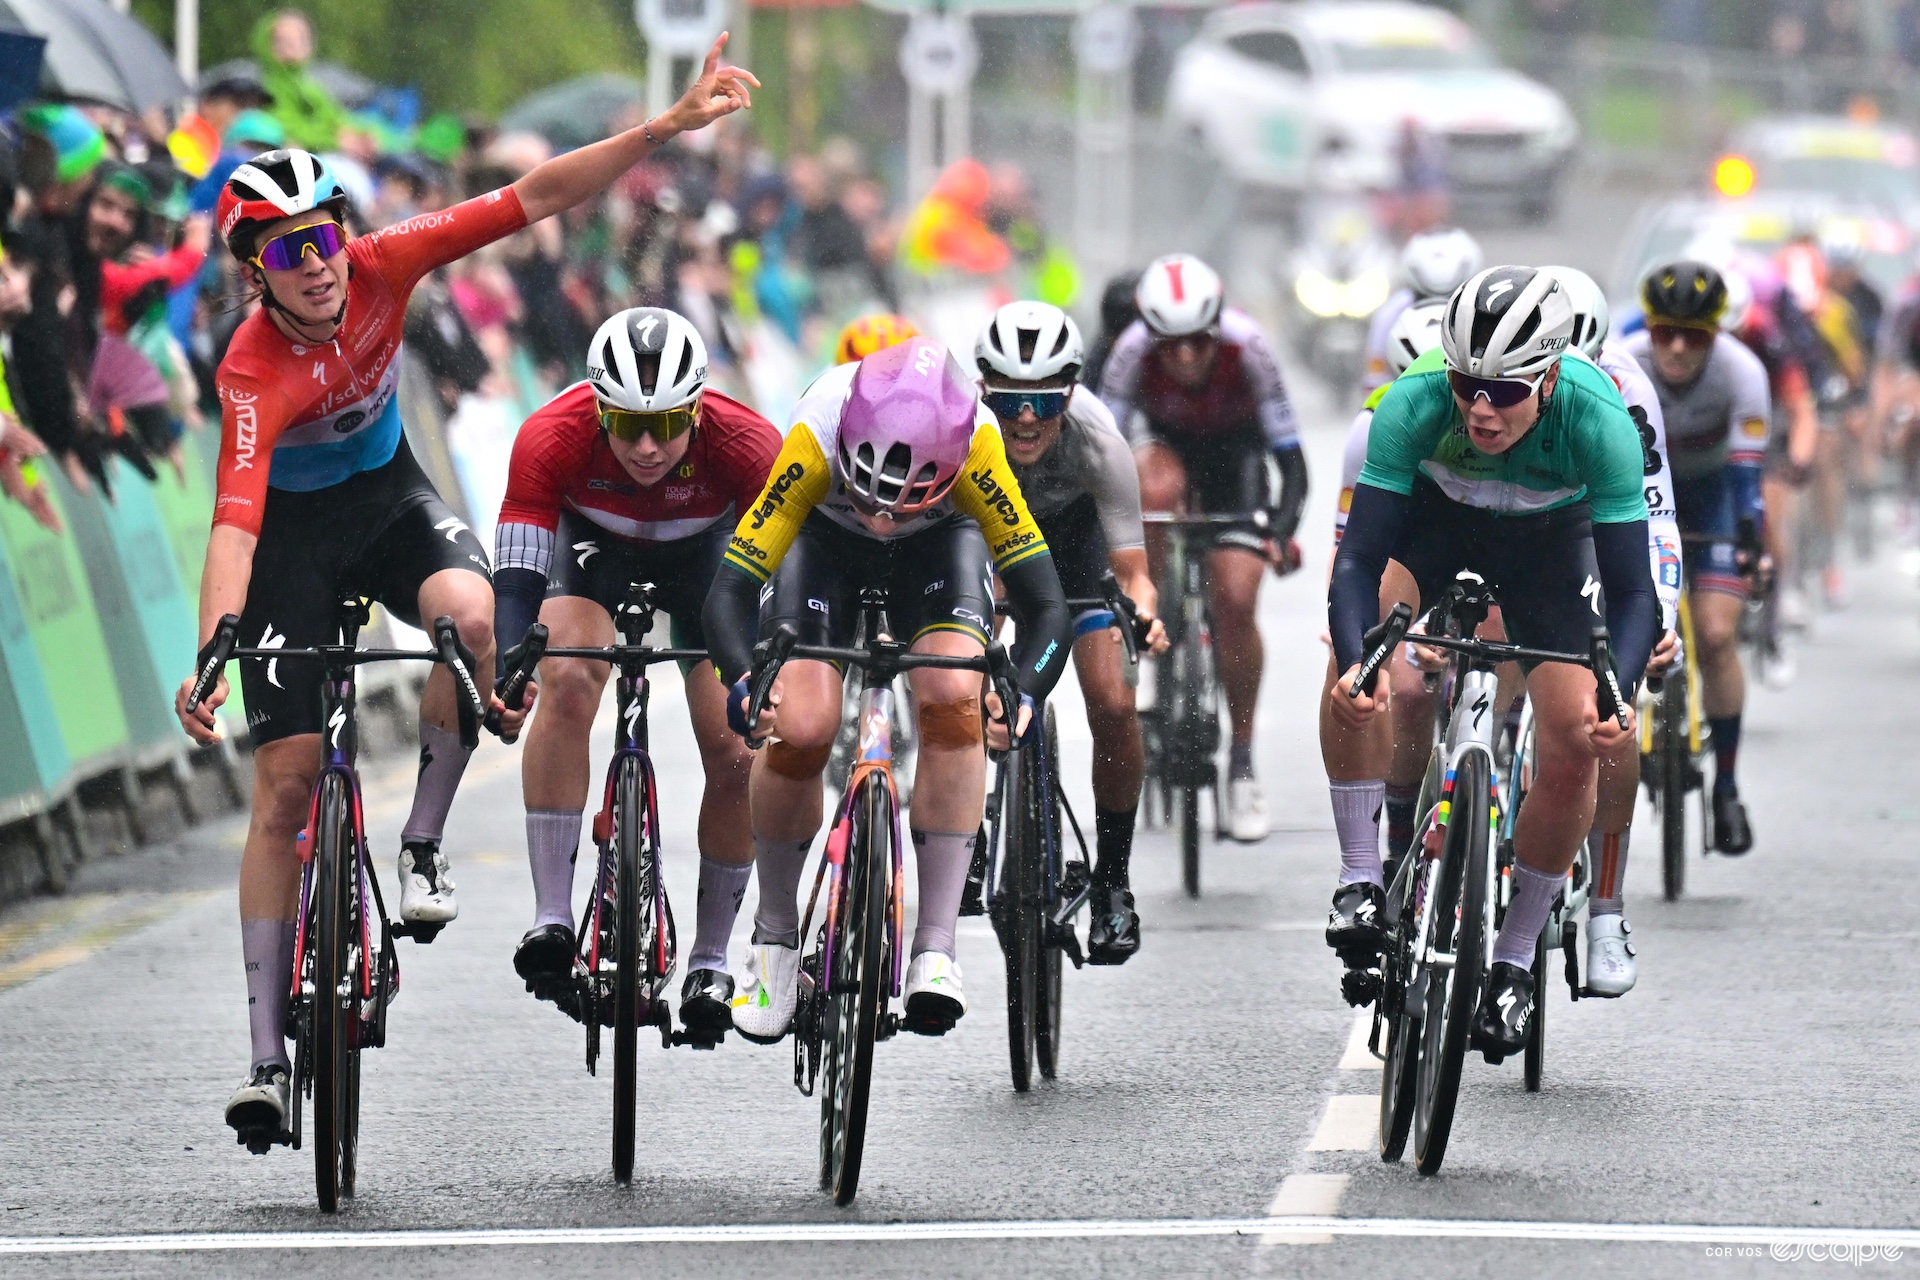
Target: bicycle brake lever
524 658
213 658
469 705
1381 640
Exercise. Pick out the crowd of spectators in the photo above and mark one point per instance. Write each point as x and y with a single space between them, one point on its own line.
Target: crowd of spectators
117 302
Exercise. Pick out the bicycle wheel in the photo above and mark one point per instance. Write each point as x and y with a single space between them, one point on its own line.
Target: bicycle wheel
1675 755
1535 1060
631 904
1459 927
862 978
335 1058
1023 931
1401 1070
1046 988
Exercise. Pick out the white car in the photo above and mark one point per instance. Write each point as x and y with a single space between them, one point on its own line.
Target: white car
1316 96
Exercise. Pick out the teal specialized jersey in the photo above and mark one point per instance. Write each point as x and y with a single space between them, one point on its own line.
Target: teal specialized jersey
1583 447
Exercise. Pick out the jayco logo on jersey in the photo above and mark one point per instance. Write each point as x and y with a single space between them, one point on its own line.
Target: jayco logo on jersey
777 494
996 497
246 428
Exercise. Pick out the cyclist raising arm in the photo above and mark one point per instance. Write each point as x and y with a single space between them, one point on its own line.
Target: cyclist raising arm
319 495
892 476
635 475
1207 383
1078 476
1497 455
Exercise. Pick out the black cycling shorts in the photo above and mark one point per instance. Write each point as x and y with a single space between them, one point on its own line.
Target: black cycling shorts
1080 557
1226 476
1541 567
381 534
599 566
940 579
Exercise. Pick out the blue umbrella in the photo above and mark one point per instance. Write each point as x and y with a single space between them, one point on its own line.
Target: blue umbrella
94 51
20 58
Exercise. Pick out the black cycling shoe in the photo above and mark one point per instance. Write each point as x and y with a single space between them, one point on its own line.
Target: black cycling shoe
1506 1007
1731 832
1114 932
1357 925
544 959
706 1007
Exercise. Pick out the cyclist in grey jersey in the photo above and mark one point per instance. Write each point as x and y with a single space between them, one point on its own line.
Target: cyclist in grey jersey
1077 472
1715 395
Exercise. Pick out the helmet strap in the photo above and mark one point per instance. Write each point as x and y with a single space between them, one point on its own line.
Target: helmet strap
268 300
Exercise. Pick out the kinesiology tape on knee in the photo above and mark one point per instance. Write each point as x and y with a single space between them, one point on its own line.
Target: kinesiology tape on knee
953 724
798 763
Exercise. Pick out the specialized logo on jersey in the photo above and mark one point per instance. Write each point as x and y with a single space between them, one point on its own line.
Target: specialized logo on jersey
452 526
588 550
1591 592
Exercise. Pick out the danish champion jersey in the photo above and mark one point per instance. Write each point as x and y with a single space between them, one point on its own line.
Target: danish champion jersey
303 416
1243 387
561 462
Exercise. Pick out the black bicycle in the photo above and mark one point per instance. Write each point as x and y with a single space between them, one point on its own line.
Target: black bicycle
854 969
1037 889
627 943
1445 897
345 971
1182 728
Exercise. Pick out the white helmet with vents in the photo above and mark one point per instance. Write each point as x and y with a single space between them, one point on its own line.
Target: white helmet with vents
1414 333
647 359
1030 342
1591 318
1179 295
1436 263
1507 322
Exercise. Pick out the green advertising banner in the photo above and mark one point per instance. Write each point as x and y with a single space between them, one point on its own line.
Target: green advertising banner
35 765
186 508
57 603
144 614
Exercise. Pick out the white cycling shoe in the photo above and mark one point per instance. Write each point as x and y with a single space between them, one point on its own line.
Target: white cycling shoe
763 1008
426 888
258 1108
935 997
1611 970
1247 819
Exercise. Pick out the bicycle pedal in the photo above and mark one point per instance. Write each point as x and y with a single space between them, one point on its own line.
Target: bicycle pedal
259 1139
1069 942
1360 987
1074 879
887 1027
421 931
698 1039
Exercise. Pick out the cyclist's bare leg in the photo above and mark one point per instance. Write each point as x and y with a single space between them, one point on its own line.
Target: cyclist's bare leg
1829 496
1163 488
786 794
726 820
1119 757
467 598
1783 517
1358 760
950 786
1716 632
555 775
1235 574
1560 806
283 773
1617 790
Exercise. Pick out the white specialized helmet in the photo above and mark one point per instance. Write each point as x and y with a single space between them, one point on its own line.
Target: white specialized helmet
1030 342
1436 263
1591 319
1414 333
647 359
1179 295
1507 322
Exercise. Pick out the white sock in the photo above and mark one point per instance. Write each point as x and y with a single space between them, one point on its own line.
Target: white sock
1356 821
1533 893
722 885
553 838
442 762
942 859
779 864
267 946
1609 873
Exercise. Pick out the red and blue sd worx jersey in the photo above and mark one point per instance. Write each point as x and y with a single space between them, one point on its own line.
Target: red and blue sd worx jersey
302 416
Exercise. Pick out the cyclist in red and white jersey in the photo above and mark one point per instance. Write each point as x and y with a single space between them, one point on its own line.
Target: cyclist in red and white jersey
636 475
1205 381
319 496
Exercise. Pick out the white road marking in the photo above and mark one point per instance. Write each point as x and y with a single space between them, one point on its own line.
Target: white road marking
1351 1123
1888 1241
1311 1195
1358 1057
